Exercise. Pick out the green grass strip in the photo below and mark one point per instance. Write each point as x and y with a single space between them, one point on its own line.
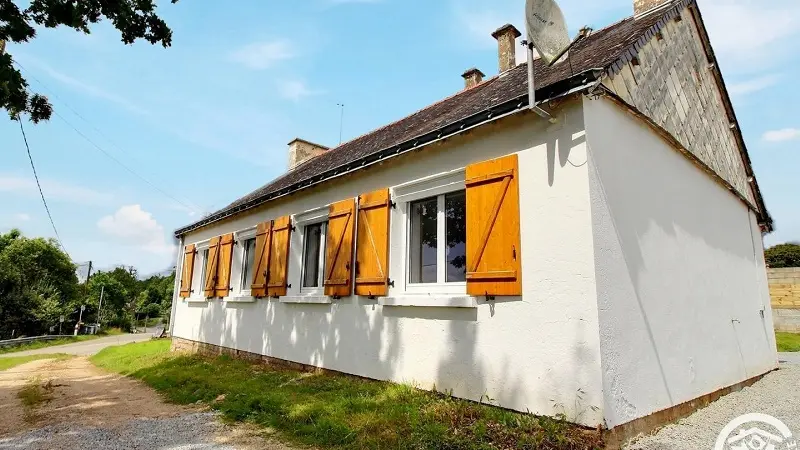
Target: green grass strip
338 411
788 342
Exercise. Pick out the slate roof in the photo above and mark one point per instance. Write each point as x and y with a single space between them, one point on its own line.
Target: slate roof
602 50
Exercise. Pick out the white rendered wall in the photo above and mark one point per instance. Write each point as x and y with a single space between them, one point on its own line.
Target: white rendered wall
539 352
681 280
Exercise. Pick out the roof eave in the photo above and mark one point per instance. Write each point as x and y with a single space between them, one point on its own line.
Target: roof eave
576 83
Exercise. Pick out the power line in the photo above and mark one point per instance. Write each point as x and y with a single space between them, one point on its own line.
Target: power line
194 208
113 158
36 176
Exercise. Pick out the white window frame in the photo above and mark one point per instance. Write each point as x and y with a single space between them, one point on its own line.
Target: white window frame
297 293
197 294
400 238
241 289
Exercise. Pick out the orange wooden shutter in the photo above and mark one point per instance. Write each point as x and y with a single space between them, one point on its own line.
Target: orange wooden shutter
223 284
261 261
493 236
339 248
372 244
187 271
279 257
211 268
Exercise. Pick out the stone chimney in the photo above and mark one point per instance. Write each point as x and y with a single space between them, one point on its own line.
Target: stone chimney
507 46
301 151
643 7
472 78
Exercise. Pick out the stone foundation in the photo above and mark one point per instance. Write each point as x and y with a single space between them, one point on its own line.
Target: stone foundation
202 348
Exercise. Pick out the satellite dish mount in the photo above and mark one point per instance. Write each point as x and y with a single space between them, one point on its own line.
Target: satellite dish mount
547 33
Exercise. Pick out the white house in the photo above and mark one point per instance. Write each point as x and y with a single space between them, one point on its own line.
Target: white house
606 264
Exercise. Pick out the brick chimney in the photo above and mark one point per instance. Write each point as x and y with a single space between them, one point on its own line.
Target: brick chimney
643 7
472 78
301 151
507 46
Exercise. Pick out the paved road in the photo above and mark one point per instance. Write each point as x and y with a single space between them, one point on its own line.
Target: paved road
86 348
789 358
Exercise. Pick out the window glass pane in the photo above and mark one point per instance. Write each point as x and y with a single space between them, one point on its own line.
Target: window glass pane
249 263
202 285
313 237
455 211
422 255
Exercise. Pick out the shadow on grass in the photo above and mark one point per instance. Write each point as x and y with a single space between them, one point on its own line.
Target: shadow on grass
334 410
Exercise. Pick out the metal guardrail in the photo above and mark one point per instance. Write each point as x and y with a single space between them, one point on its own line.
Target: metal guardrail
26 340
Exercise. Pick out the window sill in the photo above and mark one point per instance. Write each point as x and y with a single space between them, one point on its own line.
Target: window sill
444 301
196 300
312 299
240 299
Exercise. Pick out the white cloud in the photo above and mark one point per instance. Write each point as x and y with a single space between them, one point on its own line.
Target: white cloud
296 90
21 217
137 228
753 85
263 55
53 190
786 134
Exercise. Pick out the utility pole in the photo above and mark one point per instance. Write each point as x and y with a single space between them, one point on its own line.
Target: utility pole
100 308
80 319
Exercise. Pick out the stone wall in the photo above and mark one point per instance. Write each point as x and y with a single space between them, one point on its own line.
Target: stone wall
784 289
671 81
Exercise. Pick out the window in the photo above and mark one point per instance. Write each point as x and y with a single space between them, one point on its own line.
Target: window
437 239
199 272
248 263
313 255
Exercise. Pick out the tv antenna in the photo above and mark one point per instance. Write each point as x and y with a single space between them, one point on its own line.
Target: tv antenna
341 121
547 33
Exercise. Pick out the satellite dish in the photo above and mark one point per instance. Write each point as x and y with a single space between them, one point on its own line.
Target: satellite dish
547 29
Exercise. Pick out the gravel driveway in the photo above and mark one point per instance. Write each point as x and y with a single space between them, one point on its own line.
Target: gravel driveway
89 408
777 394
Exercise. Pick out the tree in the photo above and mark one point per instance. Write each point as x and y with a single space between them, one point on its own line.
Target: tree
135 19
114 298
783 255
37 284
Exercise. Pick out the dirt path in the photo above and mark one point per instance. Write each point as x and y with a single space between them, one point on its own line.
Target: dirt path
89 408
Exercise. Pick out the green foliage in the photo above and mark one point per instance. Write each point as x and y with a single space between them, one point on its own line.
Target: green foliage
788 342
135 19
783 255
338 411
37 284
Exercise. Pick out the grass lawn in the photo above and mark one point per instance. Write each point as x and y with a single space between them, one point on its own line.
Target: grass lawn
337 411
788 342
13 361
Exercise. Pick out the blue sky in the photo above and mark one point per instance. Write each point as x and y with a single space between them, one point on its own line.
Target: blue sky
208 119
